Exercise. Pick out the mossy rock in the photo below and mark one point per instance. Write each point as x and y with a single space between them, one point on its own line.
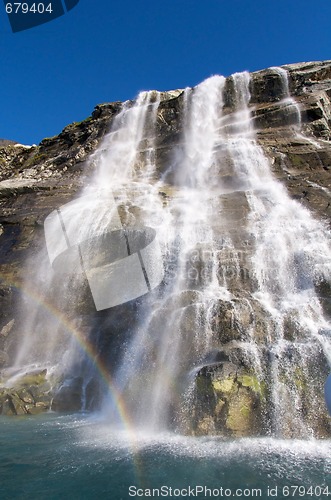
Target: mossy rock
240 418
225 386
37 408
206 426
29 394
252 382
32 379
26 396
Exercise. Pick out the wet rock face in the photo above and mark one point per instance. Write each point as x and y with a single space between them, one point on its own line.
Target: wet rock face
27 394
304 168
229 397
230 400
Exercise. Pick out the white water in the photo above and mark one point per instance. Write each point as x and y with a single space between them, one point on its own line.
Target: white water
221 192
155 360
292 253
85 459
293 108
288 101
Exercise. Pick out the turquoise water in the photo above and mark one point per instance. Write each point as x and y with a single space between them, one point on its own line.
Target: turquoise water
79 457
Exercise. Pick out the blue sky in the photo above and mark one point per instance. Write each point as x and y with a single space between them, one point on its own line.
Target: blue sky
108 50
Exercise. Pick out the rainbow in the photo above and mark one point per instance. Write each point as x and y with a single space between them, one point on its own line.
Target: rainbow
86 346
119 404
89 349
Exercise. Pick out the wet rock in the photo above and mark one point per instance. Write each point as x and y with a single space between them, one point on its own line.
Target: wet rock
25 394
69 396
232 400
266 87
5 331
4 359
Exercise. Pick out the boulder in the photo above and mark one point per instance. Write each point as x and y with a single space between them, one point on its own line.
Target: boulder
26 393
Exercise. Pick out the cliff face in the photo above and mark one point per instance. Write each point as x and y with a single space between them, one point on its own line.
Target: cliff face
229 396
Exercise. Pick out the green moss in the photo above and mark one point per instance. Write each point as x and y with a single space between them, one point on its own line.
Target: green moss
39 158
253 383
32 379
238 419
297 160
48 139
36 159
299 379
76 124
245 411
225 385
296 377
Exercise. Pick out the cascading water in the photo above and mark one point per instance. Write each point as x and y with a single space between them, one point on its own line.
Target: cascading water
287 100
291 255
237 251
153 372
66 350
219 160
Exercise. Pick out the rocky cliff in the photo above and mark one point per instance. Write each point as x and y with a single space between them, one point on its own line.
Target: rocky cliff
229 397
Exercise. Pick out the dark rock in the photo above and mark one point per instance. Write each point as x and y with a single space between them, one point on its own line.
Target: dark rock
4 359
69 396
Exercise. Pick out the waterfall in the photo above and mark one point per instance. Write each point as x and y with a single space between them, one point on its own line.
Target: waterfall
288 101
219 161
118 155
67 350
155 359
242 263
291 255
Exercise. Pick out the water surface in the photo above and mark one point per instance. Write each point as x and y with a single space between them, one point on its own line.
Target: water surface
80 457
